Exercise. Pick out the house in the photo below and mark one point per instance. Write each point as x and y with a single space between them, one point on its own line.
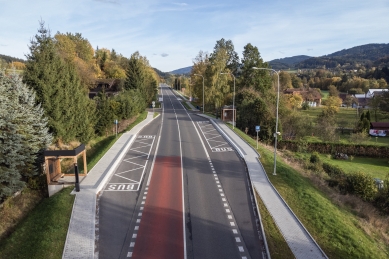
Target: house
380 129
110 86
310 95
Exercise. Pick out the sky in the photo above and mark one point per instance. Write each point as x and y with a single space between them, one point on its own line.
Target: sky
170 34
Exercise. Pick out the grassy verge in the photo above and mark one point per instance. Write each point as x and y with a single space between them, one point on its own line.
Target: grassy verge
42 233
337 230
278 247
186 106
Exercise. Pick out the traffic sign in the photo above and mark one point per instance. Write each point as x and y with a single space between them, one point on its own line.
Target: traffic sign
257 128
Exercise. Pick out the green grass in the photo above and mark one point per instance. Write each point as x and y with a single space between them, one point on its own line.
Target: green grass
376 167
324 94
346 117
337 230
42 233
277 245
186 105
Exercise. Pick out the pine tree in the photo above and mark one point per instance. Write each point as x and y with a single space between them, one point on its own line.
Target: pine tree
59 90
23 134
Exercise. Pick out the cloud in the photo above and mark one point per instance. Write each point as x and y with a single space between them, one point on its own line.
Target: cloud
164 55
309 49
181 4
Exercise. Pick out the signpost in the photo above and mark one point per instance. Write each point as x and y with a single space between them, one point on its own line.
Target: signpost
257 129
153 104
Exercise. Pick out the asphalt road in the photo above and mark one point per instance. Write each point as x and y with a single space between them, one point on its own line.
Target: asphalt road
180 192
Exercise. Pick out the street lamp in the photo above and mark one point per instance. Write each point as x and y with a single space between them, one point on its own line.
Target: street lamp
203 90
233 102
278 99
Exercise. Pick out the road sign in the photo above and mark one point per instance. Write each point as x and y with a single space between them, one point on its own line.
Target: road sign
153 105
257 128
153 102
116 122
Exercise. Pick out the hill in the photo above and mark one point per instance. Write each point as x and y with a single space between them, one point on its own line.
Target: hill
182 71
364 55
285 63
10 59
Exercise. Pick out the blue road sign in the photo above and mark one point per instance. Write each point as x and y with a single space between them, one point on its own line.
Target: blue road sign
257 128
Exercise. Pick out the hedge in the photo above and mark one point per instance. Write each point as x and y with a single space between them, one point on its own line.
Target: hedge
332 148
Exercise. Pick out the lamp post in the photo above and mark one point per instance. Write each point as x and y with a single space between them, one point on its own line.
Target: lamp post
233 102
278 99
203 90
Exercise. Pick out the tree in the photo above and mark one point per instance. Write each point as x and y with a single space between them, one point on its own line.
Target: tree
58 89
349 100
285 80
295 100
217 86
259 79
23 134
199 66
232 61
333 91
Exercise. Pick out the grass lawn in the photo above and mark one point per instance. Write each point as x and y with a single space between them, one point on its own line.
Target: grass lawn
376 167
42 233
338 231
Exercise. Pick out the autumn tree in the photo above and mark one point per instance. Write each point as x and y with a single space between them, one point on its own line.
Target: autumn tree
295 100
199 66
333 91
285 80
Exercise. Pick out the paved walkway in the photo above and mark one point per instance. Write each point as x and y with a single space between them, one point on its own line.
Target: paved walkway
80 240
298 238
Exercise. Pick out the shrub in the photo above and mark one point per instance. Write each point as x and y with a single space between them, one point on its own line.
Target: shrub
332 170
361 185
315 158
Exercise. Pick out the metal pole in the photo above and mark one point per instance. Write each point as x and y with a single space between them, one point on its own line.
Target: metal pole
276 134
278 98
257 139
233 108
77 184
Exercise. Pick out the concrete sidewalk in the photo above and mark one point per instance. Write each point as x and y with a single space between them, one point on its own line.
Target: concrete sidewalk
298 238
80 240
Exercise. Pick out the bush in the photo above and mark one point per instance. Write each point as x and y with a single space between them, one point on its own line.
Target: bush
315 158
332 170
381 200
361 185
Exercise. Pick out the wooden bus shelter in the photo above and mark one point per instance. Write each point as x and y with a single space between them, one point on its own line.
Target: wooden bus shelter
53 162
